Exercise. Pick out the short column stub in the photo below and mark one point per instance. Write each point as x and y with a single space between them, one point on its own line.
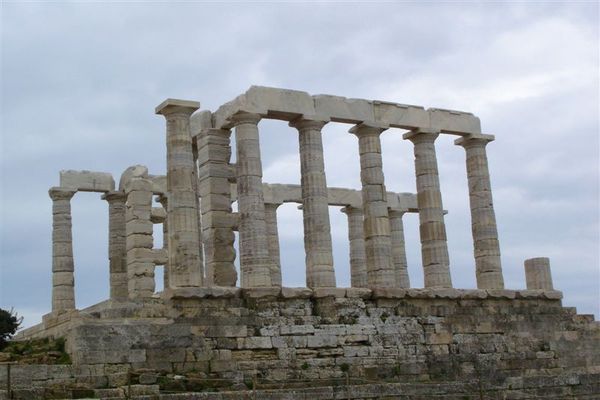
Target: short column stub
537 274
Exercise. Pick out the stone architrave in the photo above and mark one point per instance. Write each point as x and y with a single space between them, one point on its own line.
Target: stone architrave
185 257
87 181
215 174
138 239
162 199
434 246
63 293
273 238
399 248
315 207
488 267
117 250
255 261
356 237
537 274
380 270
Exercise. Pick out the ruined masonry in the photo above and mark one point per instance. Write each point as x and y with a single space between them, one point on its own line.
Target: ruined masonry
383 335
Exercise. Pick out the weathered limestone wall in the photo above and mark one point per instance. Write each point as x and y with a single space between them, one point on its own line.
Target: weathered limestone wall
539 387
405 336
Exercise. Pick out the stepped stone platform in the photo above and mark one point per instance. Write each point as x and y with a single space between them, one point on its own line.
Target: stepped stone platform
406 343
213 335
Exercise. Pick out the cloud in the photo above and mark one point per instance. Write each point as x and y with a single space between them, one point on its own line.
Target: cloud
80 82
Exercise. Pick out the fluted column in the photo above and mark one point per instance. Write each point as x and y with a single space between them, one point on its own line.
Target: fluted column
196 188
356 237
185 257
162 199
399 249
488 267
255 261
117 250
380 271
273 239
315 207
434 246
63 293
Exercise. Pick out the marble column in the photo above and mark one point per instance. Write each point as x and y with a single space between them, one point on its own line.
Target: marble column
356 237
162 199
185 257
399 249
63 293
488 267
434 246
537 274
117 250
196 188
255 261
218 237
380 270
315 207
273 239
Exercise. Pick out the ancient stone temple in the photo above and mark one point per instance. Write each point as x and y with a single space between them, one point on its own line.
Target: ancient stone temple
385 337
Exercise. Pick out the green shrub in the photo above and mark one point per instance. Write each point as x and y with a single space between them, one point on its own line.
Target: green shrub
9 323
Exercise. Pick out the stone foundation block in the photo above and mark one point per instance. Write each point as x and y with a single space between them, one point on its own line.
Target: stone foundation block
224 292
141 390
261 292
255 342
328 292
360 293
389 293
322 341
109 393
296 293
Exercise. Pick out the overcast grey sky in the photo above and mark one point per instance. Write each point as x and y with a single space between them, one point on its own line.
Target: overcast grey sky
80 82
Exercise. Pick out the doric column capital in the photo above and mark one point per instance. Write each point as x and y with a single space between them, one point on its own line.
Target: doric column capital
366 129
176 106
421 135
396 213
114 196
474 140
59 193
303 124
241 118
349 210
